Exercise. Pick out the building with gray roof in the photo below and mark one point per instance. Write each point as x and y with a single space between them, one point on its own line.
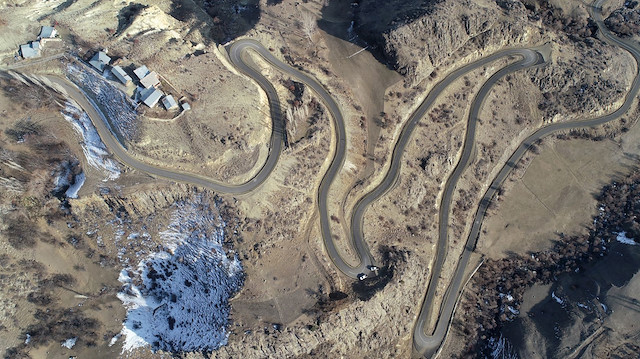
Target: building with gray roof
141 72
169 102
30 50
151 80
121 75
100 60
150 96
47 32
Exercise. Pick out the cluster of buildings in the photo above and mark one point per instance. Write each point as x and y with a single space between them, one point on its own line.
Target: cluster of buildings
148 91
34 48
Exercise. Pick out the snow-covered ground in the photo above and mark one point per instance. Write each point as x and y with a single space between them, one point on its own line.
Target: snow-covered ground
117 106
69 343
92 146
72 191
622 238
178 298
500 348
556 298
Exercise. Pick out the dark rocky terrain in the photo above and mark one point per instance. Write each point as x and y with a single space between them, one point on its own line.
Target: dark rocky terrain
497 290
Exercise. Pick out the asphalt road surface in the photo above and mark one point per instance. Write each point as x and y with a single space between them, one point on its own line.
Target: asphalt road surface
428 345
425 344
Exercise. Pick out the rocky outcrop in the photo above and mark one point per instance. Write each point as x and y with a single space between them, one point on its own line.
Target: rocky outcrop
625 22
416 39
376 328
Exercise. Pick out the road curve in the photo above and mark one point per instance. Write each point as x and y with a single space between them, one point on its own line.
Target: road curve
100 122
425 344
235 52
428 345
422 342
530 57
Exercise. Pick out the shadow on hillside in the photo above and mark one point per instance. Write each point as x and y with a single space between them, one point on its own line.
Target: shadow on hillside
365 23
225 20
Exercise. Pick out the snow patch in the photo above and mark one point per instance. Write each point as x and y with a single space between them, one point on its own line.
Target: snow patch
178 299
72 191
118 107
92 146
500 348
557 299
114 339
622 238
69 343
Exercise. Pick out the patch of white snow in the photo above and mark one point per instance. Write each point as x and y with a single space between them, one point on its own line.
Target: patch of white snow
69 343
72 191
92 146
622 238
557 299
182 301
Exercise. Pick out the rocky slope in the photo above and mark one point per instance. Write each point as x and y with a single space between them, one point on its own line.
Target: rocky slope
496 291
417 38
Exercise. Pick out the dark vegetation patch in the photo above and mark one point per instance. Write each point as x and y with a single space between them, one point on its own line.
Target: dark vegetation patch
23 128
19 232
391 258
297 89
484 305
126 15
30 95
58 325
624 22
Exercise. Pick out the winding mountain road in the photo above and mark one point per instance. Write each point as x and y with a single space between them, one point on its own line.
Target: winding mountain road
428 345
425 344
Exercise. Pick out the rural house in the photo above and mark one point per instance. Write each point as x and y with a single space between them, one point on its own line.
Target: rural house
169 102
151 80
47 32
141 72
30 50
121 75
100 60
150 96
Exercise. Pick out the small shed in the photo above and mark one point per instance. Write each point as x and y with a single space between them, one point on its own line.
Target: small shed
185 106
150 96
121 75
151 80
141 72
47 32
169 102
30 50
100 60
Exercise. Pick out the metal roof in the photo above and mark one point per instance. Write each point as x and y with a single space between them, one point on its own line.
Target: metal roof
141 72
102 57
169 102
150 96
100 60
150 80
121 75
28 51
47 32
